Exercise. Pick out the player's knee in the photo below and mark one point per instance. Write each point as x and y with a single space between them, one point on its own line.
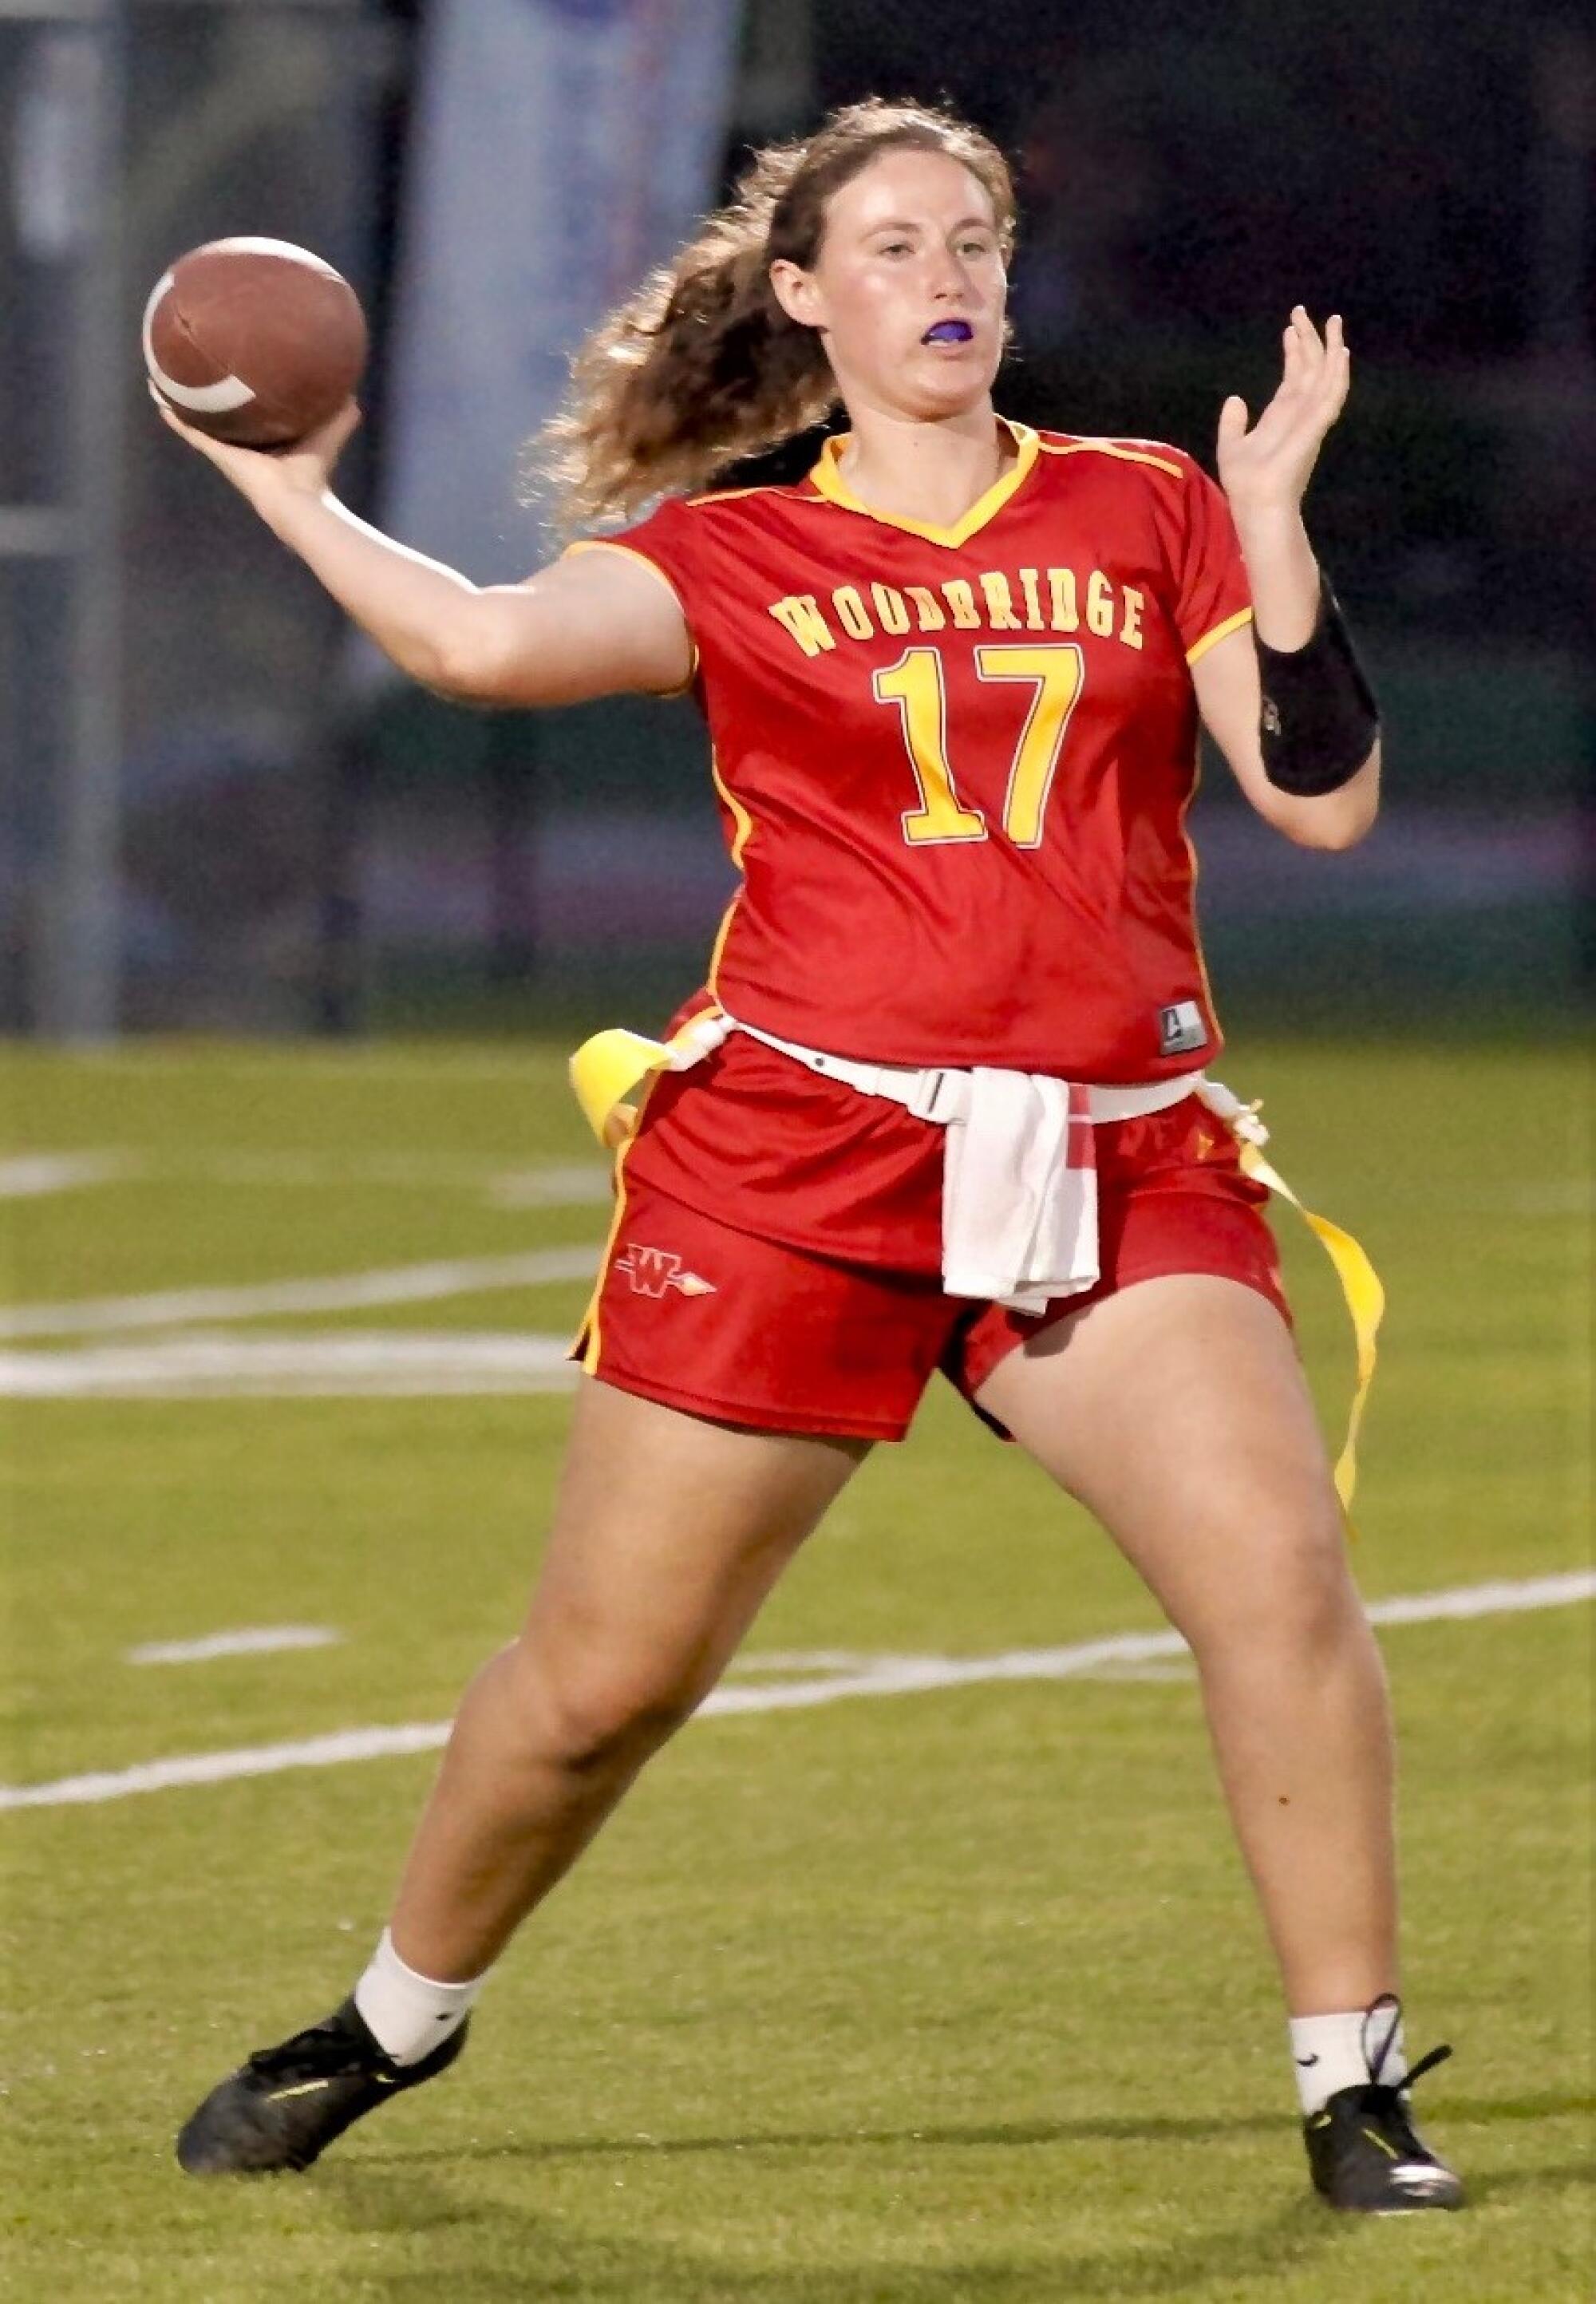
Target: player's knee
1301 1606
1316 1607
588 1719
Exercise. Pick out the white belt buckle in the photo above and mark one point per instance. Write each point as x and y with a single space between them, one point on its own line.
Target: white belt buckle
926 1097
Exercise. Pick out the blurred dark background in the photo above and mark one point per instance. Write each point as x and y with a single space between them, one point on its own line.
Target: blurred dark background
214 812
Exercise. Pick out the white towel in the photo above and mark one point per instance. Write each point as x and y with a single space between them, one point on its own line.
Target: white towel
1019 1193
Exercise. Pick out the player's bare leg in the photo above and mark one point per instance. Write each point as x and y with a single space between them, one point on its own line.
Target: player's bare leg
1177 1411
669 1532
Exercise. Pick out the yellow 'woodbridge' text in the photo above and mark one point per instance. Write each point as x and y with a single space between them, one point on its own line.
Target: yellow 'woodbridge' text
1031 600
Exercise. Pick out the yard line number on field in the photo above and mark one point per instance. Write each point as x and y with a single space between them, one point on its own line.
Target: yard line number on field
882 1675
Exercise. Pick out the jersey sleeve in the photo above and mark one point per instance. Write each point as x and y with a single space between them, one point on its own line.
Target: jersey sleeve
663 544
1211 595
660 542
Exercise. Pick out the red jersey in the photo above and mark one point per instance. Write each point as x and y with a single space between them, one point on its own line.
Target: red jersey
954 764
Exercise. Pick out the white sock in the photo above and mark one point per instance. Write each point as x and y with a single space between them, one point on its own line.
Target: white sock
1348 2050
409 2014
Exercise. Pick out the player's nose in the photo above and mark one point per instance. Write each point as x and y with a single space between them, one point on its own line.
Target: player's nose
948 278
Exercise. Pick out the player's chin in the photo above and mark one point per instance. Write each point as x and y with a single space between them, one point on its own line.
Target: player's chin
941 386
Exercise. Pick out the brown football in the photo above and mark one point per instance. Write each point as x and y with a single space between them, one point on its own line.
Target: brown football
254 341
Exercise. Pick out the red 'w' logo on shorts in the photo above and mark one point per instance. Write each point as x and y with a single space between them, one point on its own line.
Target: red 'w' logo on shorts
653 1270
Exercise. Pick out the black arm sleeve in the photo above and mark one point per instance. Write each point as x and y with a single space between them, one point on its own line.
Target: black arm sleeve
1319 720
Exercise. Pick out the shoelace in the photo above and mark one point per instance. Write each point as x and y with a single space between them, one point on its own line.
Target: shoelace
1425 2064
1385 2101
1374 2058
1389 2105
323 2052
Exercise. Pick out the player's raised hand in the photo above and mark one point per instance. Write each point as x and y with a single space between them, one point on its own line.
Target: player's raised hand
1266 468
304 468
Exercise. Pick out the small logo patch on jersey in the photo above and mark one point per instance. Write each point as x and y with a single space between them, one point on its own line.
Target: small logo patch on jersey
1180 1027
653 1271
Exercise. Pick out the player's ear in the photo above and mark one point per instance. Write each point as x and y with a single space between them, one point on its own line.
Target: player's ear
795 291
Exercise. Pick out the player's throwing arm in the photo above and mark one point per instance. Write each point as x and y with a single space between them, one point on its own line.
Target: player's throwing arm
583 628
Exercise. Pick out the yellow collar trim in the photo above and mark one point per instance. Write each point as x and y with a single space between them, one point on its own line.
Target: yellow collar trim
835 490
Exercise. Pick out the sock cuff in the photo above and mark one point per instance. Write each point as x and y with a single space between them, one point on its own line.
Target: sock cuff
1348 2049
387 1957
408 2014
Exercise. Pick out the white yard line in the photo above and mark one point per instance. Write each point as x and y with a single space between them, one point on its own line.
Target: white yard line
402 1169
253 1639
270 1640
339 1364
1505 1598
349 1064
760 1660
887 1675
566 1184
580 1185
550 1184
33 1176
1571 1196
406 1283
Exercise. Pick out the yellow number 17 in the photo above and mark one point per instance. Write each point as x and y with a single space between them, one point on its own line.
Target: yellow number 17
915 685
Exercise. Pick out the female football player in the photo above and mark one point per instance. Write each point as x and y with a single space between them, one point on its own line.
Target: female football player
941 1103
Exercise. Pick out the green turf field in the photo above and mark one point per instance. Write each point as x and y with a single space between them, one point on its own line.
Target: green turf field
894 1999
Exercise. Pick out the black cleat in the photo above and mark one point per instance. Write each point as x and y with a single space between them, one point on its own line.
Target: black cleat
1364 2151
284 2108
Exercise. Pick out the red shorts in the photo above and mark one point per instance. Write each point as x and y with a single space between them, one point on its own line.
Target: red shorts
718 1297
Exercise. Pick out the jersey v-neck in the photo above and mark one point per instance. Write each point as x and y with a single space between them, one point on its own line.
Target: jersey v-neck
829 484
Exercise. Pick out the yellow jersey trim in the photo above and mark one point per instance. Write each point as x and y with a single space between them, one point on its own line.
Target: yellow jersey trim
743 834
739 814
1219 632
1194 862
731 495
609 544
1110 448
835 490
585 1346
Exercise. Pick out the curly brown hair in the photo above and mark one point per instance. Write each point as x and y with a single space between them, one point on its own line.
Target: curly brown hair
702 368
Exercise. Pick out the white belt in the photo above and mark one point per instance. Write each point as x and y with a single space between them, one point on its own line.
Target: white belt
1019 1193
941 1093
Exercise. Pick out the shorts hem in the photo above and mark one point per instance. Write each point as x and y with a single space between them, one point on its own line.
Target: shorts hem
968 1384
817 1426
1186 1271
